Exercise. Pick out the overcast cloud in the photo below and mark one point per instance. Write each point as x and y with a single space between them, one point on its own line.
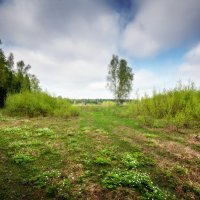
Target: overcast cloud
160 25
69 43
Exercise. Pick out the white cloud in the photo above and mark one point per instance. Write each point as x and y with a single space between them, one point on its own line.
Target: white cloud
139 43
68 44
190 68
160 25
145 81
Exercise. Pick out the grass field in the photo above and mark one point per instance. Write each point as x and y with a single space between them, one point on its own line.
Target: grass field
97 155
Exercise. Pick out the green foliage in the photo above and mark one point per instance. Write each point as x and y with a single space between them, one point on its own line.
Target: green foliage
50 181
130 161
44 131
42 179
133 179
179 107
15 79
119 78
136 159
102 161
180 170
39 103
14 129
22 158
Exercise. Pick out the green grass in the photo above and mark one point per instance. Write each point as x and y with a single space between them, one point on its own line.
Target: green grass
97 155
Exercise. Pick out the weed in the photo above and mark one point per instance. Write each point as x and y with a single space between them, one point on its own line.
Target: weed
14 129
180 170
22 158
44 132
106 152
133 179
42 179
130 161
136 159
102 161
19 144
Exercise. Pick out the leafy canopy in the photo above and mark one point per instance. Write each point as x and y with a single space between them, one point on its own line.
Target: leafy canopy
119 79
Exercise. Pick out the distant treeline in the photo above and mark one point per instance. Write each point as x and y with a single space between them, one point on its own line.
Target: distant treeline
93 101
15 78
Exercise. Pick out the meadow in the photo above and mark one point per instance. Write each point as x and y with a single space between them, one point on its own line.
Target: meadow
100 153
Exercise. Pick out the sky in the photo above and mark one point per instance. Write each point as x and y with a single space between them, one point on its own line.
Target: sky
69 43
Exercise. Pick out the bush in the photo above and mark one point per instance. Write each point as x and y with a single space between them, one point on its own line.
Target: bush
34 104
179 107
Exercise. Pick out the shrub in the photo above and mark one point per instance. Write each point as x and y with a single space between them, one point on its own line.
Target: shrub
179 106
39 104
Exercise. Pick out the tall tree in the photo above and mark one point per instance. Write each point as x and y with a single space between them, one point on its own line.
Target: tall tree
14 80
10 62
22 76
119 79
34 83
3 77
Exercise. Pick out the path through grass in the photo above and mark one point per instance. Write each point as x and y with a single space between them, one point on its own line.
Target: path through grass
95 156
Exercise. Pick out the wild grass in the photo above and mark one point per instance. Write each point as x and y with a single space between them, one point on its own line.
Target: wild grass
34 104
179 107
98 155
108 103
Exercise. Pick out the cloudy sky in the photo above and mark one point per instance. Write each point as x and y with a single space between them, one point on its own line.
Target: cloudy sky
69 43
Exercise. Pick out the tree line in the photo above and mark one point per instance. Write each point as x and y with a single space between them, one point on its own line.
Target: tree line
15 78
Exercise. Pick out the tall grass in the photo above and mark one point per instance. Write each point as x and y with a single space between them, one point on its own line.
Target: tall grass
34 104
179 106
108 103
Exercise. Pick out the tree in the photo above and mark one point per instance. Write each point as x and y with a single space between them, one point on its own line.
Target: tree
22 76
15 80
10 62
34 83
119 79
3 77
